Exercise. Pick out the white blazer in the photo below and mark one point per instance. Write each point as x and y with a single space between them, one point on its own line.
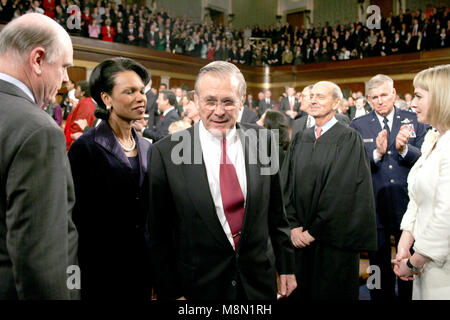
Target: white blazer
428 216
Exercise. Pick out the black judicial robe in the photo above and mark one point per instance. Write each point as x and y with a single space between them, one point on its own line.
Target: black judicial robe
328 191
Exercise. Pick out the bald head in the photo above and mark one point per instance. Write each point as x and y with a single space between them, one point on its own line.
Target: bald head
32 30
37 51
326 97
335 90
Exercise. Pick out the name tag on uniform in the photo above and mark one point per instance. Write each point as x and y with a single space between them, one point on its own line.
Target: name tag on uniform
368 140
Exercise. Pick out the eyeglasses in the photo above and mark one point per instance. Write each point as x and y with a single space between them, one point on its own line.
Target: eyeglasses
212 104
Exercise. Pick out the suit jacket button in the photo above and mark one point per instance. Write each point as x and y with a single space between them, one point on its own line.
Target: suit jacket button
392 180
389 152
233 283
390 166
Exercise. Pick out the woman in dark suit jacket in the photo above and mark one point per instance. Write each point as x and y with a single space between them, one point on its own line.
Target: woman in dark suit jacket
109 166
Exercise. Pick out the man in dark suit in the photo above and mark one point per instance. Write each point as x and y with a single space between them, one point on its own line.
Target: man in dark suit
359 109
266 103
226 234
290 106
247 116
38 240
152 107
392 139
166 106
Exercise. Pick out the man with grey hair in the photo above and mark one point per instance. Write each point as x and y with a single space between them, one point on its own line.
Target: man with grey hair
329 201
226 234
308 120
38 240
392 138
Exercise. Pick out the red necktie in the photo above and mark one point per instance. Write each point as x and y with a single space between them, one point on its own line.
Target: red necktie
161 117
232 196
318 132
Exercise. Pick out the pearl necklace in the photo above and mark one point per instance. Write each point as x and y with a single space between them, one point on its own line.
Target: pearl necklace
128 149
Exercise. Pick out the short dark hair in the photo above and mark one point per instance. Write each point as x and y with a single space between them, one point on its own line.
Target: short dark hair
84 86
103 80
169 95
274 119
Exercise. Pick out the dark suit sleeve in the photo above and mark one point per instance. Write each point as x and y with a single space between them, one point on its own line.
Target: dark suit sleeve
279 229
37 222
162 128
161 224
287 183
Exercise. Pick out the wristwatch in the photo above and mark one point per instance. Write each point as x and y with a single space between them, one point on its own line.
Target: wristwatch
413 269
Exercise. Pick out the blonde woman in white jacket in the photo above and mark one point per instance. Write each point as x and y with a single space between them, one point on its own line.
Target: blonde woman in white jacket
426 223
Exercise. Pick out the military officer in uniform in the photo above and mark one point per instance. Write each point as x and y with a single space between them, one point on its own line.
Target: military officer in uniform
392 138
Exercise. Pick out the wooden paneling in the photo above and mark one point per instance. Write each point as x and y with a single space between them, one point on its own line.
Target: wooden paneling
77 73
156 81
182 83
386 6
295 19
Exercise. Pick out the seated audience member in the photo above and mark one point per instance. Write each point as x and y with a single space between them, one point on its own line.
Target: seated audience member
110 163
426 223
84 110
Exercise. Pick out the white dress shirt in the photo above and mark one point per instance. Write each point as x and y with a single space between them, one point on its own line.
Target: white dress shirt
212 150
360 112
17 83
327 126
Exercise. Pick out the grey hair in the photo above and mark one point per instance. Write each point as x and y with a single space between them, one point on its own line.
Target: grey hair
378 81
220 68
337 92
21 38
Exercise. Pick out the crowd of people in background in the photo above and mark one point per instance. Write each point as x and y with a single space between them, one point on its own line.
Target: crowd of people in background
156 28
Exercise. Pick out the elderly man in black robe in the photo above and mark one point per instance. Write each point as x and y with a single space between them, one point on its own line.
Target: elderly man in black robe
329 202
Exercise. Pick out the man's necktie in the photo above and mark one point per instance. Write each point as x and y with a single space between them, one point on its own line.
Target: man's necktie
386 127
232 196
318 132
161 117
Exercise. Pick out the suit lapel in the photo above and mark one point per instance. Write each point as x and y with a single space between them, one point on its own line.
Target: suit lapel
374 124
200 193
143 149
105 137
253 177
